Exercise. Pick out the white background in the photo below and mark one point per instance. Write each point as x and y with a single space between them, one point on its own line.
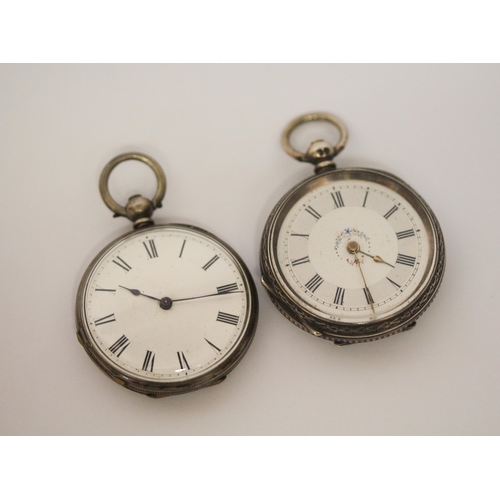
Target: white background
216 129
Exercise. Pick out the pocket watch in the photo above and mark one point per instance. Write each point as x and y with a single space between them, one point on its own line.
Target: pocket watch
164 309
352 254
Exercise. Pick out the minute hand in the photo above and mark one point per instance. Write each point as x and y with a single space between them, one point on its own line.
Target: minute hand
203 296
368 293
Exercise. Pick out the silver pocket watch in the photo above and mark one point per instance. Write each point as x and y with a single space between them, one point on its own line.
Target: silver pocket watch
164 309
350 254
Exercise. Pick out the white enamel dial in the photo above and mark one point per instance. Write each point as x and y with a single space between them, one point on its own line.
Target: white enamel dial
166 304
353 250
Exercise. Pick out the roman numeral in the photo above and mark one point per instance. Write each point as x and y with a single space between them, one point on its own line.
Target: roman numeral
391 211
314 283
183 361
182 248
339 296
313 212
364 201
406 260
107 319
213 345
151 250
405 234
302 260
230 319
337 199
233 287
303 235
123 264
215 258
368 296
149 361
394 283
120 345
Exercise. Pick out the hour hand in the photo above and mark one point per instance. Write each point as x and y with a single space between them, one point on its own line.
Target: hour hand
376 258
134 291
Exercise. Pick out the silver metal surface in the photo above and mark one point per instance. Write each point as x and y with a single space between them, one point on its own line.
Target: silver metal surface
319 325
320 152
138 208
282 295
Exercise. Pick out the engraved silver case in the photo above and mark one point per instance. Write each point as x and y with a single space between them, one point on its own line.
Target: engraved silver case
342 333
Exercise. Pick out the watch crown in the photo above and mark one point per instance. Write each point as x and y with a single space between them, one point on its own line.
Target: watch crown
320 150
139 211
321 153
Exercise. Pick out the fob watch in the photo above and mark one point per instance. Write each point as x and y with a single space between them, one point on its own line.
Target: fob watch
164 309
351 254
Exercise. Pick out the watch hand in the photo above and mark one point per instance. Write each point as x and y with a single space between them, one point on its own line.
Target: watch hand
209 295
166 302
376 258
368 293
134 291
353 247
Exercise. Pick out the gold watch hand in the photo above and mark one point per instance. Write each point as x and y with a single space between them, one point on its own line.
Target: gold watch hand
353 247
368 293
376 258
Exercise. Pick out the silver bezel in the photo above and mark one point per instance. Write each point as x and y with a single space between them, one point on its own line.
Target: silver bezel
292 307
169 388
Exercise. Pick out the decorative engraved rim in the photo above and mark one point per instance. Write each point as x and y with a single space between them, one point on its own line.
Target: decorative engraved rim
346 333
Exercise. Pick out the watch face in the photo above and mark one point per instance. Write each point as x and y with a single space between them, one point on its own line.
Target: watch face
167 307
353 246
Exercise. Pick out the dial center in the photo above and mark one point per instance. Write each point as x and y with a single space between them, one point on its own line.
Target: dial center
166 303
349 241
353 247
340 238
